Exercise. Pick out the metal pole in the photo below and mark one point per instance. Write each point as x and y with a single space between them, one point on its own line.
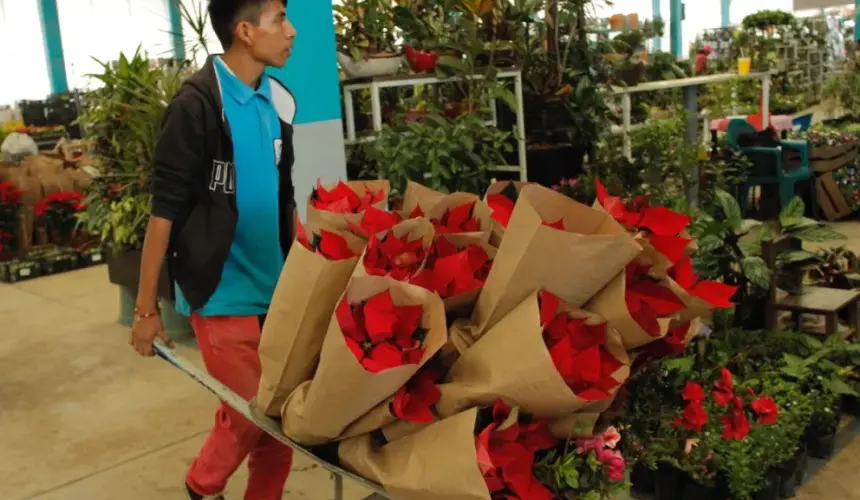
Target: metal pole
626 112
857 20
53 46
350 115
655 14
176 34
691 137
338 486
521 126
375 107
726 12
676 17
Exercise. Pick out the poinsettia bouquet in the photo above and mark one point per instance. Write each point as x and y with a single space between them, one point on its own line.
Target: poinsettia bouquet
585 468
374 221
344 199
580 350
506 441
501 198
399 252
380 334
59 211
450 271
328 244
459 219
648 300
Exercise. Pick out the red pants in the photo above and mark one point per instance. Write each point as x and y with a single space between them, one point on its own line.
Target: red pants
229 349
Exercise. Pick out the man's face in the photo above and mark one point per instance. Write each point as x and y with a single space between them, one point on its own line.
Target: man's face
271 42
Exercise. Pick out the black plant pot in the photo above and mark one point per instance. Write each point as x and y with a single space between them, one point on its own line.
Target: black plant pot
696 491
643 479
670 483
770 491
821 446
802 464
788 487
851 405
548 165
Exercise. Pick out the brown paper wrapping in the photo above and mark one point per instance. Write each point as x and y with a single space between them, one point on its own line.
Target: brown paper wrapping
481 211
340 222
573 264
498 231
439 461
611 305
341 391
418 195
414 229
576 425
512 362
381 418
302 308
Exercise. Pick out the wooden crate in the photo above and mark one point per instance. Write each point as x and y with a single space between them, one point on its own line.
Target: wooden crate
830 197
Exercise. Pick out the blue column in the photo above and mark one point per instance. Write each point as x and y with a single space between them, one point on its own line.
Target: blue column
53 45
176 29
655 14
726 12
675 13
857 20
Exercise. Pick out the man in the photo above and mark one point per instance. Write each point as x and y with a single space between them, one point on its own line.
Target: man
223 218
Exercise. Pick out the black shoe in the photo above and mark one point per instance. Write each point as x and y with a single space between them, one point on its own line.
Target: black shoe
193 495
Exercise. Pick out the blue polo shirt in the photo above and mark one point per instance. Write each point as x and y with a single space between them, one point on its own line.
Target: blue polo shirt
255 260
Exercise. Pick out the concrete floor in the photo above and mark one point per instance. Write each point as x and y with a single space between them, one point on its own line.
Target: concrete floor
83 417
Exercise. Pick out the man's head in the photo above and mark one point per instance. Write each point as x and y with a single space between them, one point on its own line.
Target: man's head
260 27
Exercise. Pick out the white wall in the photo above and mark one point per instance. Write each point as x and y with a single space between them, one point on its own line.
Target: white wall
23 67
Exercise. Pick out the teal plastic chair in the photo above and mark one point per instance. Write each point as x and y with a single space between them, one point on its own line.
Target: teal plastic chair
785 179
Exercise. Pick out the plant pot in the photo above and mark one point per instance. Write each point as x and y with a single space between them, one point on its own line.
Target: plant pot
696 491
548 164
643 479
821 446
421 61
459 108
802 464
669 483
617 22
176 326
850 404
788 487
770 489
374 66
124 270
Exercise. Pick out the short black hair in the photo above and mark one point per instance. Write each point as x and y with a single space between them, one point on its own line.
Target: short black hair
226 14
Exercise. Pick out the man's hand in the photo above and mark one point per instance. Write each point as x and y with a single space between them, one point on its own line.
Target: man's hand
144 331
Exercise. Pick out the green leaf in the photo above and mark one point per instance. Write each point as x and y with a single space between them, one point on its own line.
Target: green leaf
680 365
792 213
837 386
748 225
813 342
756 271
796 256
710 244
731 209
571 478
819 234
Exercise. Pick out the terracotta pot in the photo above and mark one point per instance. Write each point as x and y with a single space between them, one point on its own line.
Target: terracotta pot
617 22
421 61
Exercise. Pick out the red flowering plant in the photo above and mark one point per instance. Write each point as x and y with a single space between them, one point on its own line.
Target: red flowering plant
506 441
10 206
59 212
399 252
328 244
501 198
380 334
585 468
459 219
346 198
374 221
586 356
451 271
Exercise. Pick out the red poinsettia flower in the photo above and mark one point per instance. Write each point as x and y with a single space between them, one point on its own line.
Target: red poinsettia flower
10 196
501 208
375 221
380 334
414 401
393 256
559 224
450 271
693 392
459 219
343 199
330 245
735 425
713 292
416 213
578 351
647 300
694 417
766 409
505 452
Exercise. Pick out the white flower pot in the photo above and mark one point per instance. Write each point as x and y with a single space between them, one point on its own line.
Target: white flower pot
377 66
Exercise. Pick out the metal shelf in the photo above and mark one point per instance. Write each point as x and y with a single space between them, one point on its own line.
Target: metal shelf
378 83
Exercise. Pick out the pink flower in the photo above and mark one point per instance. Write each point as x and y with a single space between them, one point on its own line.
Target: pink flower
611 437
616 474
563 181
555 187
613 462
590 444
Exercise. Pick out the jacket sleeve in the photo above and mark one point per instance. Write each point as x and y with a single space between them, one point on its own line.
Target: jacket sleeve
178 156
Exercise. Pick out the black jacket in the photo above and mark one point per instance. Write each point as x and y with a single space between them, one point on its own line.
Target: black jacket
194 186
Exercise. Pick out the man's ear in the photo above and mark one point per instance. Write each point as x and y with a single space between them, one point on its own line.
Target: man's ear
243 32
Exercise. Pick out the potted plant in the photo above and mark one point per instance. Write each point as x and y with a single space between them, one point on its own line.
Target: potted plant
426 31
58 212
10 207
365 38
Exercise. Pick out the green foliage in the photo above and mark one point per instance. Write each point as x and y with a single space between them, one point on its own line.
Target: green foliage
426 24
764 19
122 118
447 155
841 90
577 476
364 28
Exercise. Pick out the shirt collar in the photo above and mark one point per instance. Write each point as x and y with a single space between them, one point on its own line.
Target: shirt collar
241 92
